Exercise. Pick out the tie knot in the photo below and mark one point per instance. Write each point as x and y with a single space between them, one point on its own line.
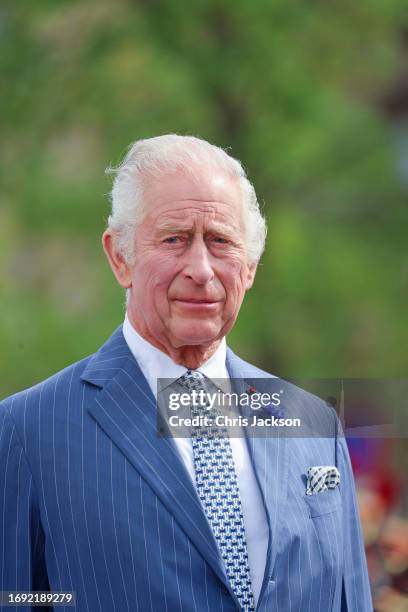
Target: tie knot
192 379
194 374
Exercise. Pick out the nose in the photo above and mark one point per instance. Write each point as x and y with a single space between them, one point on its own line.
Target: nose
198 266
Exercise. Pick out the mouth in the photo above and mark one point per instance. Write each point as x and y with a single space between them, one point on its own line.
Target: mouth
197 303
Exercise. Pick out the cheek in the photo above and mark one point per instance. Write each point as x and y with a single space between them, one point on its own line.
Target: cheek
153 279
233 278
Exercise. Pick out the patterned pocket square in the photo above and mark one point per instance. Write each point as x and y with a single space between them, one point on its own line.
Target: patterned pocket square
322 477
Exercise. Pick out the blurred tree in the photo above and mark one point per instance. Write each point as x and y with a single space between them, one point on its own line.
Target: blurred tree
294 90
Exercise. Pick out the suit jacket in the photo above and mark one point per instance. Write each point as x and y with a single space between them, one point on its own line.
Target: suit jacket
93 501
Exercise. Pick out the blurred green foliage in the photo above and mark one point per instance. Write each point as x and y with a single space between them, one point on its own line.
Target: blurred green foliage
293 89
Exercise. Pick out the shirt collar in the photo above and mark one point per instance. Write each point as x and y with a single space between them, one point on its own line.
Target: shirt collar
156 364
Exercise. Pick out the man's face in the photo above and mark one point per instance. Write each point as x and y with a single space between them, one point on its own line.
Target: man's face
190 271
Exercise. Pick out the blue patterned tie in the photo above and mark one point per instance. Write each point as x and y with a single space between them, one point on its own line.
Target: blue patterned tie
218 491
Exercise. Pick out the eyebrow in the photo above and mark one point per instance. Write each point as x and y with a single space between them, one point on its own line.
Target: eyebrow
171 227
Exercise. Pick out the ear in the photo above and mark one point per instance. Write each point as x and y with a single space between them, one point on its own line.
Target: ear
251 271
120 267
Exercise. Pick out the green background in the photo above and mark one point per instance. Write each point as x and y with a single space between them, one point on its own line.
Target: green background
298 91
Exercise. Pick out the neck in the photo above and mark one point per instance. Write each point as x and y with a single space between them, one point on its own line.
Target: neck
192 357
189 356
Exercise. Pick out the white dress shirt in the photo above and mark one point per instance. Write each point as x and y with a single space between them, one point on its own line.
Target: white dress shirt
156 364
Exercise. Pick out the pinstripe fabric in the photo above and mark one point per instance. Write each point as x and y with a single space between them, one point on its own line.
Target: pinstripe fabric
92 500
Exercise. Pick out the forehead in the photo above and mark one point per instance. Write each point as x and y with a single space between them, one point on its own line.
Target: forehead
210 194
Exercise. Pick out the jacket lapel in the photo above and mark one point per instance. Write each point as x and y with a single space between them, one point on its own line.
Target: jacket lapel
125 408
270 461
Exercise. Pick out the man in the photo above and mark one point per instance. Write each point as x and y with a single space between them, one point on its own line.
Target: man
92 500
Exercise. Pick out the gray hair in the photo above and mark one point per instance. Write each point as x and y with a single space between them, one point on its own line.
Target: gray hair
153 157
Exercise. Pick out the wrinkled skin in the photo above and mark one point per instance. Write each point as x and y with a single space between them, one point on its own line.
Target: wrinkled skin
190 270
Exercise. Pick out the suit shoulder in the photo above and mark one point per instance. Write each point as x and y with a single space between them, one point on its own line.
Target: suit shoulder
239 368
315 412
18 402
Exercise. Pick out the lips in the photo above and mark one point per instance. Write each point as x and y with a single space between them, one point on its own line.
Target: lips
196 300
197 304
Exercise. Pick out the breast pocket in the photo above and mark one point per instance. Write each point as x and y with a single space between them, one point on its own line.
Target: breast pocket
325 534
323 503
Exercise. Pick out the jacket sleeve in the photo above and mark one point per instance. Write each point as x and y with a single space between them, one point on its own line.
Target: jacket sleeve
356 593
22 558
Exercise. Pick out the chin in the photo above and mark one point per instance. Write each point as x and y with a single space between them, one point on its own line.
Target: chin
189 335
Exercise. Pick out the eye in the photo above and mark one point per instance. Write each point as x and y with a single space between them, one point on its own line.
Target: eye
172 239
220 240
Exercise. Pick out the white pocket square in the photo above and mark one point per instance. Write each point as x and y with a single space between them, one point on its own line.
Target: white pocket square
322 477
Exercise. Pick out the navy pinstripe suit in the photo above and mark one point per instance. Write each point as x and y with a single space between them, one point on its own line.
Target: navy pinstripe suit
91 500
